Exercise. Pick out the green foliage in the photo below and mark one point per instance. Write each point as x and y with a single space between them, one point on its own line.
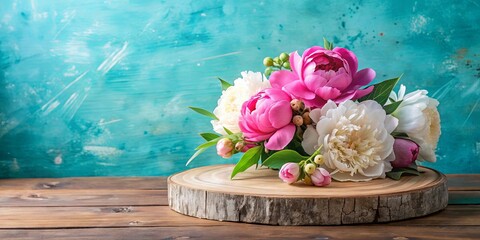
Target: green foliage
204 112
249 158
327 45
390 108
381 91
224 84
209 136
279 158
397 173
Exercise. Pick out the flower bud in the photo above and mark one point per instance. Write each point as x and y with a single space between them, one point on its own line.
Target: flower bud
276 61
268 62
310 168
297 120
307 180
289 172
321 177
268 71
406 152
306 118
225 148
297 105
284 57
319 159
239 146
286 65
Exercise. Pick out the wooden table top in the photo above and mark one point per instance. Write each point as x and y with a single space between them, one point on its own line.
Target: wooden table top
137 208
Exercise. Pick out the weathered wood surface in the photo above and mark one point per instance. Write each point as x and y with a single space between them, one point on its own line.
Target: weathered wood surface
125 216
258 196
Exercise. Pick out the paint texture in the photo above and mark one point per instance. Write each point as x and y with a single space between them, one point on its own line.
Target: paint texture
102 87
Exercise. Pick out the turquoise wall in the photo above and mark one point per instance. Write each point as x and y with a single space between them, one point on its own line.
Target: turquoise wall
102 87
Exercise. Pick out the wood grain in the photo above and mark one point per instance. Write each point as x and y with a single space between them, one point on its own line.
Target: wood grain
158 216
258 196
107 183
249 231
119 208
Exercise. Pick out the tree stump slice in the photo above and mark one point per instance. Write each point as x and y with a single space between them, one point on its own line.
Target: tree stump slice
259 196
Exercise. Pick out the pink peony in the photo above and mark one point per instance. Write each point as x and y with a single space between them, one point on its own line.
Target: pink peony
268 116
321 177
320 75
225 148
289 172
406 152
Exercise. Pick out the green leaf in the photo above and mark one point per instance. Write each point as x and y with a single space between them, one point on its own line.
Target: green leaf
210 143
198 152
281 157
327 45
209 136
381 91
224 84
228 131
390 108
397 173
204 112
248 159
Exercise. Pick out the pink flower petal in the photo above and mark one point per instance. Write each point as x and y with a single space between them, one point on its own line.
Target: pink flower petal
362 92
340 82
296 63
363 77
314 81
349 57
281 138
280 114
298 89
328 93
278 79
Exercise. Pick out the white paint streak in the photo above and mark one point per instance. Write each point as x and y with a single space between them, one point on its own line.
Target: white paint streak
102 122
51 107
472 89
46 105
442 91
67 19
103 151
74 108
471 111
113 59
58 159
219 56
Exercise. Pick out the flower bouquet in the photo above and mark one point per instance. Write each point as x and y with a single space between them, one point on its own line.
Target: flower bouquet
315 118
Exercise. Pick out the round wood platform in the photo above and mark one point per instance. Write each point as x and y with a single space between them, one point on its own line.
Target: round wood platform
259 196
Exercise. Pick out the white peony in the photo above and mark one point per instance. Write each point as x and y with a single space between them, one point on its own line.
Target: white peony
230 103
418 117
355 137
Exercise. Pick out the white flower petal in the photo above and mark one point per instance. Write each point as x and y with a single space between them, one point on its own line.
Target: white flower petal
310 140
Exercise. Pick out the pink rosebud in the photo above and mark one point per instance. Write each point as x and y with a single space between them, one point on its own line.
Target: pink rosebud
406 152
225 148
267 116
321 177
320 75
289 172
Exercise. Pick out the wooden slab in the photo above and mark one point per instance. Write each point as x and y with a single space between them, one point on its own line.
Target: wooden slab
259 196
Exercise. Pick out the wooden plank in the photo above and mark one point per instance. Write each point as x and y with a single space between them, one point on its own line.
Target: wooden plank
70 198
107 183
82 197
128 216
464 197
463 182
246 231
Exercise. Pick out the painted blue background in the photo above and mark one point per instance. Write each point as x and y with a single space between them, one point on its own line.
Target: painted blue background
102 87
